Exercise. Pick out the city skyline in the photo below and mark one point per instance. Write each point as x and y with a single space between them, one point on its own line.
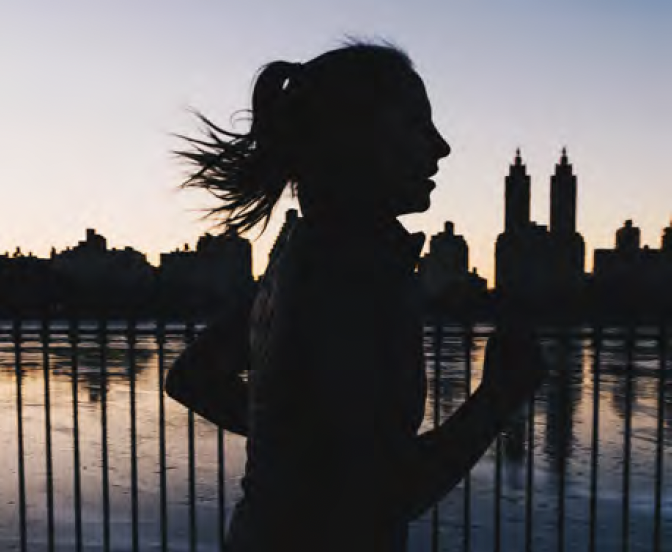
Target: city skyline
93 94
516 213
511 208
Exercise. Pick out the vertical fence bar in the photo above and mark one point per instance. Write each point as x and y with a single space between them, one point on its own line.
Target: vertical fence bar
497 511
627 445
563 376
221 489
44 337
193 535
498 495
660 438
73 337
466 527
163 507
131 341
16 341
436 390
102 340
529 477
595 437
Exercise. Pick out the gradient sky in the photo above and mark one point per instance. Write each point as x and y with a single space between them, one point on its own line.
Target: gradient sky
92 90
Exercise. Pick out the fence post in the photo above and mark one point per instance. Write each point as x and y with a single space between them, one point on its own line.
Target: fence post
660 438
102 340
190 335
160 344
73 338
627 440
44 338
466 527
595 437
436 397
18 370
131 340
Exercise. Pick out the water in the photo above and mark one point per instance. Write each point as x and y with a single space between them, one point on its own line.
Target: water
597 475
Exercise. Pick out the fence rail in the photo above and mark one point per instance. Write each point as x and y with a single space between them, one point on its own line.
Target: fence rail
67 350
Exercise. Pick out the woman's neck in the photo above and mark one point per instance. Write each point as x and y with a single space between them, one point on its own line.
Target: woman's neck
354 211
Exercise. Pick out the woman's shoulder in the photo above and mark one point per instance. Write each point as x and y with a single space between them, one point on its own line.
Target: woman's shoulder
314 251
329 263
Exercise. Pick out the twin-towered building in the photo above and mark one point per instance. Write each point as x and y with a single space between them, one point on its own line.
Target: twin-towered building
536 265
541 270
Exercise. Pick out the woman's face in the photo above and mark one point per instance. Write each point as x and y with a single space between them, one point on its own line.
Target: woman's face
380 152
405 149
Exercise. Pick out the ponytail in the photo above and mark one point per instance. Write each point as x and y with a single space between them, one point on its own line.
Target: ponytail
248 172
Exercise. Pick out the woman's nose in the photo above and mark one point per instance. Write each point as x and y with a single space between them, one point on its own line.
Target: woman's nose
442 147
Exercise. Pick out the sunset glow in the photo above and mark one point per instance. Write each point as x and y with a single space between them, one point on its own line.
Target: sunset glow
93 92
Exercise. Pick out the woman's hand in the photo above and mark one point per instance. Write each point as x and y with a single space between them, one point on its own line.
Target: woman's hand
514 366
206 377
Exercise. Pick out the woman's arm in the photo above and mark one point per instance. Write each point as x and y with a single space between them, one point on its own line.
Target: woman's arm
442 457
206 377
392 477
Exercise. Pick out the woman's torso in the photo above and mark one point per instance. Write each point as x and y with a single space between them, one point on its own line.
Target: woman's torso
291 484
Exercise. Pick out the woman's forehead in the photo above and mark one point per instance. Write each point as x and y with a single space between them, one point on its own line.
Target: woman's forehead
412 92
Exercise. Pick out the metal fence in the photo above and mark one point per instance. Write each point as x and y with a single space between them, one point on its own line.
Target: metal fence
449 349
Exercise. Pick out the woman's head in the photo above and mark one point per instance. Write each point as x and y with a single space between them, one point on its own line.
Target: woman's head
350 129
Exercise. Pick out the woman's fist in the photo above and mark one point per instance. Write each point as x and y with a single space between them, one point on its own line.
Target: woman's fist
514 366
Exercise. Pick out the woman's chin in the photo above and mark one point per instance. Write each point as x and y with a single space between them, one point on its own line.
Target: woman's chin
420 205
424 207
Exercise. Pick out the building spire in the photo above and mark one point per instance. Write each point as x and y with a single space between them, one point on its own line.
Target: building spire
517 196
564 166
563 198
518 167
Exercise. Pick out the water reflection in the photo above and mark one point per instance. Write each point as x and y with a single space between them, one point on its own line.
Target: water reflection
561 399
95 457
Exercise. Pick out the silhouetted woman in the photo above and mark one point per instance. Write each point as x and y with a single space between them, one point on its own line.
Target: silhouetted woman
337 379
